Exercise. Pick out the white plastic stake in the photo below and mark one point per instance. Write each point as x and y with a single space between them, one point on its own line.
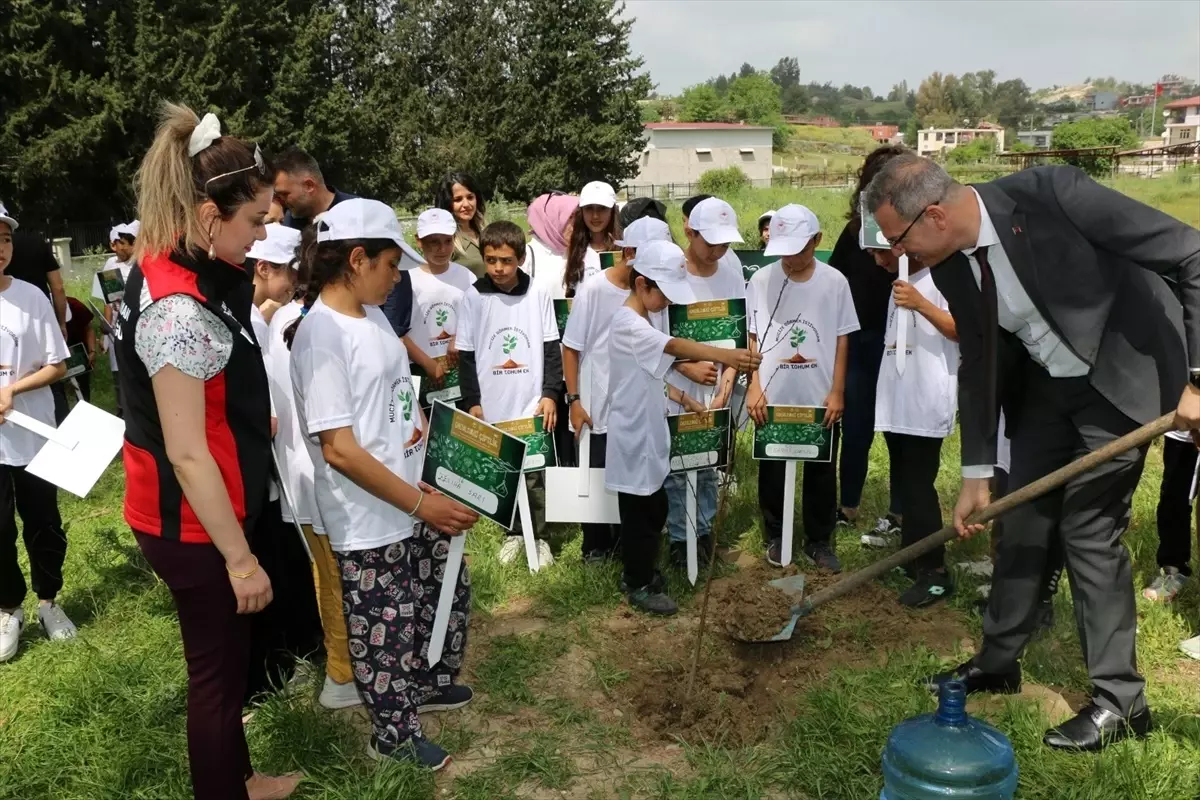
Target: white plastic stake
585 436
441 619
789 511
693 567
526 525
287 498
903 316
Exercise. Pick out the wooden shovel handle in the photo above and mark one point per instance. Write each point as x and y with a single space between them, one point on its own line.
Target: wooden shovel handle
1044 485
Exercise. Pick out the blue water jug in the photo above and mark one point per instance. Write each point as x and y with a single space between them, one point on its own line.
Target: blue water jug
948 755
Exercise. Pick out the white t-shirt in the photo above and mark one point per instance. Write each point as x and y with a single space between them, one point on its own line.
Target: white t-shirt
350 372
638 450
295 464
798 341
436 300
98 294
546 267
29 340
588 328
727 283
923 400
507 332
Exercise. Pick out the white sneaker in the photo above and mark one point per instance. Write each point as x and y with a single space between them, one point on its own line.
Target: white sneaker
1191 647
512 547
55 622
336 695
882 535
10 632
545 557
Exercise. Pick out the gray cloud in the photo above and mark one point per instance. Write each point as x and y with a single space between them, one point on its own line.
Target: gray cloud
877 43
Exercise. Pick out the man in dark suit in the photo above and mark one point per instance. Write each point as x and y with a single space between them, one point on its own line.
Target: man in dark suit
1064 320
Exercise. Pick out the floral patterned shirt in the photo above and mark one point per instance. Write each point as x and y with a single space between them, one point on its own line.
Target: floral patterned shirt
179 331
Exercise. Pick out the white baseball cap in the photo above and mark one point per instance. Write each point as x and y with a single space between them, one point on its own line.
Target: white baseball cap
135 227
715 221
664 263
435 221
279 247
766 215
360 218
792 228
644 230
6 217
598 193
115 232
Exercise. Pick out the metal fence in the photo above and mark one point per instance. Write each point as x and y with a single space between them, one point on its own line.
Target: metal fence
679 191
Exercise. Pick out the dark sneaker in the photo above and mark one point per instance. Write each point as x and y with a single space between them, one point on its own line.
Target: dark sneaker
417 750
449 698
823 556
883 534
843 521
652 601
658 583
678 554
775 553
930 587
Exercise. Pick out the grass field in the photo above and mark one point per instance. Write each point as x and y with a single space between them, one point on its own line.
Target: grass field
572 686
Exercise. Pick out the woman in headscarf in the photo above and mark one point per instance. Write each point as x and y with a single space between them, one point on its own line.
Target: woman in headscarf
550 217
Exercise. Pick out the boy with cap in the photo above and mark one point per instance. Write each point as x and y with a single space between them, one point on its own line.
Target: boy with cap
800 315
764 226
438 287
122 239
713 273
638 445
510 362
586 339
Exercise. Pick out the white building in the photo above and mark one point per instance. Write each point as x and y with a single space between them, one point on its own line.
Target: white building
1036 139
1183 126
935 141
680 152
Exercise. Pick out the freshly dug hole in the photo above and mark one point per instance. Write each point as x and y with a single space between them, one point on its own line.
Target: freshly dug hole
745 607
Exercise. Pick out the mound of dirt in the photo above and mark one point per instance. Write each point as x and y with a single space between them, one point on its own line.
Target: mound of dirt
746 608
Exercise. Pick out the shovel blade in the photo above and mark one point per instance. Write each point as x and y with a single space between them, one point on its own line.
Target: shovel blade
793 587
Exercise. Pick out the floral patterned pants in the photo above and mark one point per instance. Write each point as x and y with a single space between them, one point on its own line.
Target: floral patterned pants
389 596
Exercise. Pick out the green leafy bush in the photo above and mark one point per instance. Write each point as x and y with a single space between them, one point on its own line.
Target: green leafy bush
723 182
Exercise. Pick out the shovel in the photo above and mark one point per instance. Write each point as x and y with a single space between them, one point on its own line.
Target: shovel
1044 485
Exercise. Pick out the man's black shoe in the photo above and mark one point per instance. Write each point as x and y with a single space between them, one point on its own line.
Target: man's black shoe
976 680
1095 728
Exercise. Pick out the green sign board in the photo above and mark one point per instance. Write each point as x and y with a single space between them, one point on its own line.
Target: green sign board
793 433
448 392
112 285
539 443
612 258
477 464
870 235
700 440
562 310
753 261
720 323
77 362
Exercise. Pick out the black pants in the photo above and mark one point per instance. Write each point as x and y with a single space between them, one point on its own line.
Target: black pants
642 520
1175 506
598 538
216 644
818 497
290 627
915 461
45 541
61 409
1061 420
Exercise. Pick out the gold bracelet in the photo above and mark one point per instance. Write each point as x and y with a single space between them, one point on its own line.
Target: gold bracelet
420 500
243 575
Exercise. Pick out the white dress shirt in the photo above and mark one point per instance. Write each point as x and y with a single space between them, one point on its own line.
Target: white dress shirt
1017 314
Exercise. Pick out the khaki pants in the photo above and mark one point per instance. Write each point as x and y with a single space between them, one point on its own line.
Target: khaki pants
328 581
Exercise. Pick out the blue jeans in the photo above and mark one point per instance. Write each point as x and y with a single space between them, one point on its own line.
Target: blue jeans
858 421
706 504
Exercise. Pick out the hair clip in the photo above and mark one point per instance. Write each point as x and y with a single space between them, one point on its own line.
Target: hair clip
303 312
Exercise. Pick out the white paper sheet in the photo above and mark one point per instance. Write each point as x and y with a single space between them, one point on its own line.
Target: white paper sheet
78 451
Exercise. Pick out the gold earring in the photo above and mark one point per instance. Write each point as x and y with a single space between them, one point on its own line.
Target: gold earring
212 248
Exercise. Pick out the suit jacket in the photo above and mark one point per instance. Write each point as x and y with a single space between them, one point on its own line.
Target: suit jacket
1093 262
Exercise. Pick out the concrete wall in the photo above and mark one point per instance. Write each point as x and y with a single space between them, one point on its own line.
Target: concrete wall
670 155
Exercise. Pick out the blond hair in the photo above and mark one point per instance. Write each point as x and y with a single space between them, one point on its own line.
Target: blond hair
171 185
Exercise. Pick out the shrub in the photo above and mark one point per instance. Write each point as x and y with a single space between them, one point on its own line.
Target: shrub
722 182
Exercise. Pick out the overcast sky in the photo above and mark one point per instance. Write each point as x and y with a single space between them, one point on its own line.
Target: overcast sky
878 43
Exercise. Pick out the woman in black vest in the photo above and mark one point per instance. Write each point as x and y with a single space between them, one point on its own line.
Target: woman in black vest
197 411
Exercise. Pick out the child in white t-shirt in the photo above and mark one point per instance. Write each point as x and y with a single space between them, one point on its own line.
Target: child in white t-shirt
915 412
509 357
713 273
32 356
800 315
638 444
122 240
438 287
364 433
585 343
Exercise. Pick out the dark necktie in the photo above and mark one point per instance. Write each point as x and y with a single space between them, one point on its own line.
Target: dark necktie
990 324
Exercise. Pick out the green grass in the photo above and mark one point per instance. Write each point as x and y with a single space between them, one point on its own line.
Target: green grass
102 717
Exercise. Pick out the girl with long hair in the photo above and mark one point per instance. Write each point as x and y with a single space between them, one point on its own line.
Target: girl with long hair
595 229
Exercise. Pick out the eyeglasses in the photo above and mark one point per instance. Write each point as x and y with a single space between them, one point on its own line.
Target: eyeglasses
896 242
259 164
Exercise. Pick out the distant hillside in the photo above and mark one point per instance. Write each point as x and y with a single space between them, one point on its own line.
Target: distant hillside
1074 93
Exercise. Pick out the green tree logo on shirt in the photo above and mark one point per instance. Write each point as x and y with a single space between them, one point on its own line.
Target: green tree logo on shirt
440 317
798 338
405 397
510 343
